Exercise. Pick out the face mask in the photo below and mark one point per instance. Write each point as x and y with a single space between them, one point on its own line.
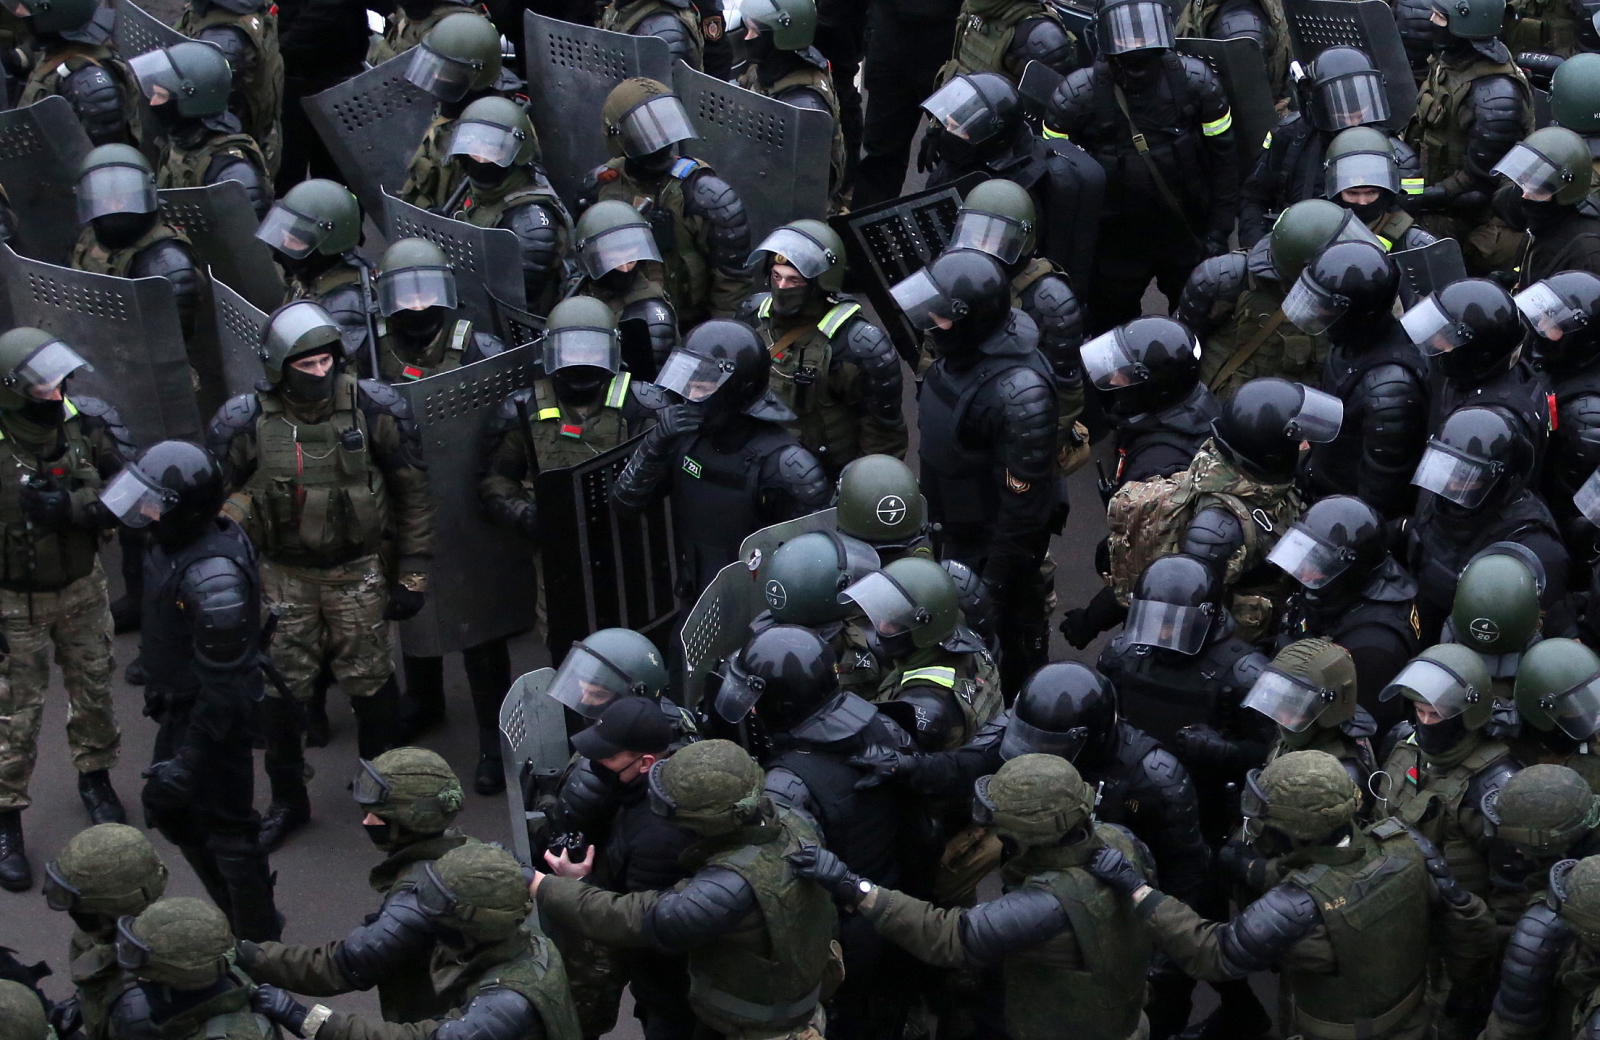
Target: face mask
616 280
1369 211
45 413
303 386
1538 217
380 834
890 648
483 175
307 267
1439 737
608 777
786 303
759 49
657 162
957 150
1137 68
417 326
580 384
116 230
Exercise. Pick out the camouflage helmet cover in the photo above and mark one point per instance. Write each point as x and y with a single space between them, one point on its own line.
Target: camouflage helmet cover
1308 795
1035 799
421 791
711 787
1543 808
488 895
187 943
22 1014
110 869
1575 886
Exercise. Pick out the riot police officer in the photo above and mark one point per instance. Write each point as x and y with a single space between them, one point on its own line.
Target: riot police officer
1382 379
313 231
1364 174
988 418
678 22
722 453
781 63
419 335
1172 184
622 267
58 453
1260 20
1562 309
407 25
246 31
1556 700
698 218
75 58
836 370
1574 93
1551 173
201 649
202 142
1005 37
457 63
181 952
1496 611
322 468
801 583
1542 988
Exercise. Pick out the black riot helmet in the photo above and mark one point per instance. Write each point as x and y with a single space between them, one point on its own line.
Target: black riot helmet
724 365
1471 326
1476 461
1347 90
960 300
1145 366
972 110
1066 709
786 673
1263 423
1175 605
1333 549
1564 310
1125 26
175 485
1345 292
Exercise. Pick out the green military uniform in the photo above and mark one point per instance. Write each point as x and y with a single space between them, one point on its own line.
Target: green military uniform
624 16
819 81
557 436
1197 19
971 677
430 177
1391 228
339 276
1255 324
1429 793
89 255
401 32
984 30
185 945
46 78
258 96
398 364
186 167
225 1016
1569 976
1540 25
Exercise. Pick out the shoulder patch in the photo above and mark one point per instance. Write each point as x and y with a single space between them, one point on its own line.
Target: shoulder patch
607 174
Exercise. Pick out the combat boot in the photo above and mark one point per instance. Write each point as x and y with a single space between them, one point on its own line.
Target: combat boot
100 798
15 874
290 810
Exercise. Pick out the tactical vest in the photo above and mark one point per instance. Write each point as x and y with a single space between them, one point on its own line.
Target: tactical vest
803 378
488 212
1164 691
1124 774
688 275
1391 228
167 650
1069 392
1197 17
45 79
452 340
819 81
1540 25
1354 753
1431 803
99 982
431 178
538 976
1286 352
39 558
186 168
401 32
1376 911
714 500
625 18
863 827
337 277
972 679
984 31
262 109
562 438
318 497
226 1016
89 255
1437 129
1336 464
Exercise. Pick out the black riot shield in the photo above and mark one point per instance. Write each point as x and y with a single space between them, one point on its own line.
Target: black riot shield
516 326
601 570
571 69
41 148
487 261
481 574
1428 269
718 624
1039 81
533 749
758 546
372 125
1243 71
222 228
1369 25
127 328
138 31
774 154
236 325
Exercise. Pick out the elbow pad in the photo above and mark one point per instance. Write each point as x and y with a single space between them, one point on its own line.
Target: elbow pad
1015 921
1266 929
1214 535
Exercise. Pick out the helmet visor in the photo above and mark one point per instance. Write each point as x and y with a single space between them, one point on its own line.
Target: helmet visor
923 301
1000 237
115 189
1288 700
575 345
1576 711
1357 99
1319 417
486 143
1587 498
59 893
1456 476
983 808
1134 27
300 327
416 289
610 249
1432 329
1550 315
1109 365
1254 805
1538 177
587 682
738 691
1166 625
1308 559
133 500
293 234
961 110
655 123
47 367
158 78
433 896
1434 684
692 377
1311 308
886 603
1363 170
797 249
369 788
445 78
1024 738
133 953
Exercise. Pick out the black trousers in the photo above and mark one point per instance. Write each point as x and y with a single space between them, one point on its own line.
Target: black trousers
1133 250
841 42
903 56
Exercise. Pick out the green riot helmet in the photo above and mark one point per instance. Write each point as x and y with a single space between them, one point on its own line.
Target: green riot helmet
316 216
612 236
912 604
1496 609
605 665
1306 796
997 217
106 871
1034 800
415 275
1480 21
805 575
56 17
297 328
1575 94
494 131
193 76
810 247
22 1014
642 117
1542 810
880 503
1452 680
412 790
179 942
793 23
33 363
115 179
459 55
1550 163
581 333
1360 157
711 787
474 894
1306 229
1558 687
1310 685
1575 890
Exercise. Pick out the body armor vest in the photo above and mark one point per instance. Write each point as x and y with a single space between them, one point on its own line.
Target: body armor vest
863 827
337 277
442 354
1069 389
562 438
1354 753
99 982
984 31
226 1016
186 168
1286 351
1437 130
714 499
1438 554
539 976
168 645
45 79
624 17
1173 135
1391 228
260 108
89 255
803 377
39 558
687 272
1121 775
1163 691
1429 798
971 679
1335 465
401 32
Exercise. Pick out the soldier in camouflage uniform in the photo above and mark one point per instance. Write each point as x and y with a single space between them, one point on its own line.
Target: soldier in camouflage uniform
182 952
621 267
247 33
457 63
1544 814
678 22
313 231
781 63
22 1013
57 454
1547 979
406 25
325 469
202 142
73 55
1005 35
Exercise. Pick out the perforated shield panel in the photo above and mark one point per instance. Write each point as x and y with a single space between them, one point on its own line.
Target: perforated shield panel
237 325
372 125
1428 269
1315 25
41 148
717 625
487 261
533 748
138 31
222 228
1238 63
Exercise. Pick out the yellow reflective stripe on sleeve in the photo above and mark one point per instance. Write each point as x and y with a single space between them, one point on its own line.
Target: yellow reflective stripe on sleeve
837 315
618 393
71 408
458 338
945 677
1387 245
1221 124
1266 142
1412 185
765 310
1055 135
549 413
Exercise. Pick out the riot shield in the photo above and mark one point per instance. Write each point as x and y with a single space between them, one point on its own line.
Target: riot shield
758 546
481 574
487 261
237 325
571 69
1079 20
372 125
774 154
1243 71
222 228
1039 82
516 326
1366 24
138 31
1428 269
41 148
127 328
533 749
718 625
601 570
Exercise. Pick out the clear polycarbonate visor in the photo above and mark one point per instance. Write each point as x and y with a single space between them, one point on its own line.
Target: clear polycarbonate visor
655 123
1440 687
886 604
580 345
1288 700
922 301
158 78
1538 177
46 368
444 78
1576 711
738 691
1454 475
486 143
609 250
1550 315
1109 365
1308 559
587 682
1000 237
1587 498
1135 27
692 377
797 249
1356 99
1024 738
1311 308
133 500
1319 417
115 189
293 234
1166 625
299 327
961 110
369 786
416 289
1363 170
1432 329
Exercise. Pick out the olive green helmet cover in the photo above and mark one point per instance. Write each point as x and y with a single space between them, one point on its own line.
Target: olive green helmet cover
424 792
1550 668
1576 887
1009 200
191 945
623 99
1327 665
1301 232
510 117
1037 799
114 867
1557 147
1543 809
491 894
298 327
1309 795
16 347
332 207
824 262
932 590
470 39
715 786
1475 688
22 1014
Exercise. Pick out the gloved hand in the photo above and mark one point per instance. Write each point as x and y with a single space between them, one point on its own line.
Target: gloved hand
1432 199
1245 865
404 603
169 786
279 1007
1081 625
528 521
1469 203
246 953
885 763
1112 867
1200 744
1444 879
67 1016
815 863
1216 243
928 154
46 506
680 420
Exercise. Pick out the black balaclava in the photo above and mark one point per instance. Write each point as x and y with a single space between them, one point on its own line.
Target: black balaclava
118 230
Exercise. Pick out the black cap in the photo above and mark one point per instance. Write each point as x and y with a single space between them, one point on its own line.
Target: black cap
626 724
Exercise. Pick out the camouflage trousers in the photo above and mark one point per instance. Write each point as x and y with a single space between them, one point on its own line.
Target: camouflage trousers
332 615
77 619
